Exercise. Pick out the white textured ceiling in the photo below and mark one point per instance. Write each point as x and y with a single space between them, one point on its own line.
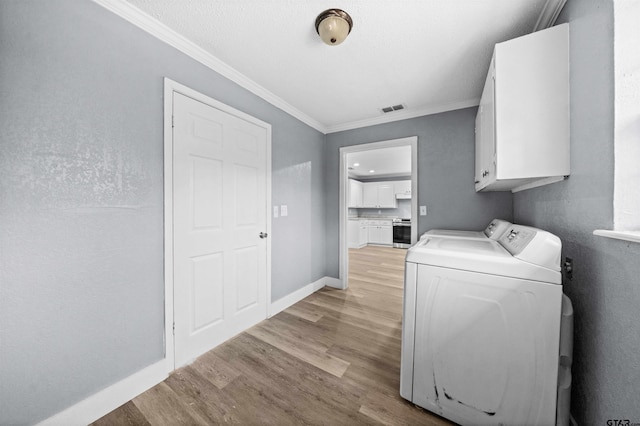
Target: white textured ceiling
385 162
430 55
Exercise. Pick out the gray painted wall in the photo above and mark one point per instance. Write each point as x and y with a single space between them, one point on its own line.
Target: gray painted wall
81 200
298 182
446 163
605 289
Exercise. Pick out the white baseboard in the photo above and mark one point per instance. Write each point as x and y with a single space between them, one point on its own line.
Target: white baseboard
333 282
293 298
94 407
91 409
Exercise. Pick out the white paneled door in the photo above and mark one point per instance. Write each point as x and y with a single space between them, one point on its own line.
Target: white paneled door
219 215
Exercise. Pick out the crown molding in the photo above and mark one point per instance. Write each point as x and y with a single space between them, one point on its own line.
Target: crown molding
165 34
403 115
549 14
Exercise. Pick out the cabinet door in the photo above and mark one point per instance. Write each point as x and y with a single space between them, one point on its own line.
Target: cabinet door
364 234
353 233
532 105
372 234
478 173
375 234
402 188
355 193
485 138
358 194
370 195
522 127
381 232
386 195
351 197
386 235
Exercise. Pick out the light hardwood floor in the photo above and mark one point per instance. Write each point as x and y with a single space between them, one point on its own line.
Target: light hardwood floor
331 359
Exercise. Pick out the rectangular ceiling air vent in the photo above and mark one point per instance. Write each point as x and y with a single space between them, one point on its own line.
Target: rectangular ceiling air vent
393 108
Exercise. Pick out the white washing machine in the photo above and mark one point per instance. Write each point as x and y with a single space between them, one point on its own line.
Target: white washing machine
494 230
481 329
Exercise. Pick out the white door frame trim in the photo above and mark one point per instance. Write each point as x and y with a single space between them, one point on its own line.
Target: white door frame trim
170 87
411 141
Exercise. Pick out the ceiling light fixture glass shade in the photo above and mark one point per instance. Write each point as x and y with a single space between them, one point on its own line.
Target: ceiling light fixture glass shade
333 26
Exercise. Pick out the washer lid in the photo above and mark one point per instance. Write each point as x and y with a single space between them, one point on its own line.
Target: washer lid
485 256
494 230
454 233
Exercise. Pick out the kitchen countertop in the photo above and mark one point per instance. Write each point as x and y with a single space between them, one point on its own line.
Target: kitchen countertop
373 217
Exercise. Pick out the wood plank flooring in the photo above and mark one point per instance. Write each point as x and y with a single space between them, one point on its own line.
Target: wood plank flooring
331 359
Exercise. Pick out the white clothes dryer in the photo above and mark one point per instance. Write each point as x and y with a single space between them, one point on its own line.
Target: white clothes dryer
494 230
481 327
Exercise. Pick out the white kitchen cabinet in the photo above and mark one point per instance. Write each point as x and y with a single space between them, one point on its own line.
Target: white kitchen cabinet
364 233
369 194
386 196
380 232
355 193
402 189
357 233
522 126
379 195
353 233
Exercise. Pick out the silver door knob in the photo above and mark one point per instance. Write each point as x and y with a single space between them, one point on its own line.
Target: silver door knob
263 235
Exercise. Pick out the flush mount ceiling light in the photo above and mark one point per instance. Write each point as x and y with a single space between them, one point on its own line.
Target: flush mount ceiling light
333 26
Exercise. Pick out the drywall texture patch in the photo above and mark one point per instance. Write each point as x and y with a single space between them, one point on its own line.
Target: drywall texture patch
604 288
81 170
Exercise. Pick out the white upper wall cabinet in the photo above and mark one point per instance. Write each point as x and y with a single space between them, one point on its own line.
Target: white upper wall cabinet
379 195
355 193
402 189
522 126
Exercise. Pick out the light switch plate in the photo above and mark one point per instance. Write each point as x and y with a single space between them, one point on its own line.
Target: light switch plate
283 210
275 211
423 210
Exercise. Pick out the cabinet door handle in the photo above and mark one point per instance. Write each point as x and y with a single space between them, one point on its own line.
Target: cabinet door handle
263 235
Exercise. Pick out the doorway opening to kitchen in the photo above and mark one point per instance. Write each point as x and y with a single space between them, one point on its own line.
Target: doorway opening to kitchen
378 183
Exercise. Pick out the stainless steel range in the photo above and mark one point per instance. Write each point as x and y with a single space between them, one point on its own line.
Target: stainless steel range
401 233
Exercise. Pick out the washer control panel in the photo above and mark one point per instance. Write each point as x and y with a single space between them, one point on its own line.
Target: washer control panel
533 245
496 228
516 239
